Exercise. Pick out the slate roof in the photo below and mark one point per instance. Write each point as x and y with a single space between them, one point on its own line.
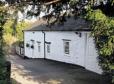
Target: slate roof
70 25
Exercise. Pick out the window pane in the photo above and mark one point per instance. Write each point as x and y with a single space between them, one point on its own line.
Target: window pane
39 47
66 47
48 48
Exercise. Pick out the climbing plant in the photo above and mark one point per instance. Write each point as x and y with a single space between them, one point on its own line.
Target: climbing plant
103 32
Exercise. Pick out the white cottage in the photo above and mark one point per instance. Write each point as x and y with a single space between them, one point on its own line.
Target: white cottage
70 43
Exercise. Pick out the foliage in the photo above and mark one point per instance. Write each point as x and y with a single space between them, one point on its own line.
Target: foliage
9 37
8 26
96 15
19 30
3 14
103 32
9 40
2 73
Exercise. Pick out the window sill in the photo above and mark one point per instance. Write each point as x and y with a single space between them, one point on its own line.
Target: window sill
68 55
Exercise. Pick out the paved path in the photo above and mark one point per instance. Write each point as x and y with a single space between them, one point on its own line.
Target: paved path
40 71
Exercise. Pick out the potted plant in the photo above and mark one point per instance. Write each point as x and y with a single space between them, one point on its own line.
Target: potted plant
27 45
32 46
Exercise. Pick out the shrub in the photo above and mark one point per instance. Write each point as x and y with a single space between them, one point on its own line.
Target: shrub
103 32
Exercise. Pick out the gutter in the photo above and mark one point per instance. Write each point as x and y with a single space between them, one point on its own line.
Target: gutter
44 44
85 49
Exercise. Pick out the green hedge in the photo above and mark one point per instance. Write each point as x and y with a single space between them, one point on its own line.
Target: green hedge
4 72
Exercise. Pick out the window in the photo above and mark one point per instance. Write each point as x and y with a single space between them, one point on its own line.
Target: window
48 48
32 41
66 46
39 46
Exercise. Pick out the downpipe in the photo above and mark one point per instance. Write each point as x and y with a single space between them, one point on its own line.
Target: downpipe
44 44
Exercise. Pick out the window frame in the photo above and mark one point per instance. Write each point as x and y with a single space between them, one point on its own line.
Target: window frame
48 47
66 46
39 46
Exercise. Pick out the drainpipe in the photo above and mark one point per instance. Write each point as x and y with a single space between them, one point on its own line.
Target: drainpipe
85 49
44 44
23 43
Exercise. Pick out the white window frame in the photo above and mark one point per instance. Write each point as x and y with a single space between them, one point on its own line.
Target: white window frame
39 46
66 44
48 47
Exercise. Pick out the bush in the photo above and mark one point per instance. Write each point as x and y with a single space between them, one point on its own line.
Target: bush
103 32
5 72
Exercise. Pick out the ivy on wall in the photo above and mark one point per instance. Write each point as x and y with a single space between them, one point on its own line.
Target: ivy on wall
103 32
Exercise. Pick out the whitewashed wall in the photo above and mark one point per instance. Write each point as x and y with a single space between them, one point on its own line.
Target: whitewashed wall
37 37
76 55
82 49
92 56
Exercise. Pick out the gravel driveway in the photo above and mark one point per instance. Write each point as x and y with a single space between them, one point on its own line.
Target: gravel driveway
40 71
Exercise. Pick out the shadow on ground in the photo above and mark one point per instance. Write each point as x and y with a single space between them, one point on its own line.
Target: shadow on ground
40 71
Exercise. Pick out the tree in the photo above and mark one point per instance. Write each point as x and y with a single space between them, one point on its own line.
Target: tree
103 32
11 39
19 30
3 18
